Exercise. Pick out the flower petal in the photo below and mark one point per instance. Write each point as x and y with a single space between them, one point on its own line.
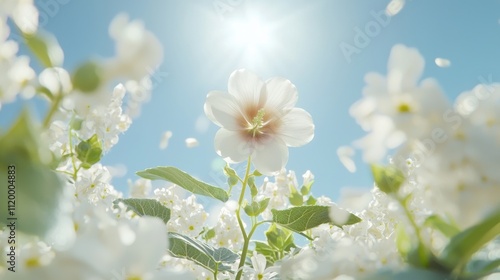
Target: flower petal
281 94
405 68
231 146
297 128
270 156
222 109
247 88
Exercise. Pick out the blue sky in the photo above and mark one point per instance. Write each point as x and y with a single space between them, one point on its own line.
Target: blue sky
303 46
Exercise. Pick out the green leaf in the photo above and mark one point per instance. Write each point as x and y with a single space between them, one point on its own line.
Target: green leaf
388 179
303 218
46 48
184 180
37 189
251 183
256 208
444 227
256 173
280 239
89 152
182 246
87 77
224 255
463 245
271 254
311 200
76 123
295 198
232 180
146 207
229 171
209 234
482 268
306 189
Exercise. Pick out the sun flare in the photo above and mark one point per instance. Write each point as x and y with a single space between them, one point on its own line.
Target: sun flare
252 36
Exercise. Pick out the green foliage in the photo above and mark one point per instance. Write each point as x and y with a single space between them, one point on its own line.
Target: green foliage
306 189
256 208
303 218
480 268
388 179
208 234
89 152
37 188
232 180
253 188
45 47
146 207
463 245
280 239
441 225
87 77
271 254
76 123
311 200
184 180
295 198
213 259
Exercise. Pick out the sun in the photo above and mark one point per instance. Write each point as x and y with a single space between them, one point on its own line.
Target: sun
251 36
250 33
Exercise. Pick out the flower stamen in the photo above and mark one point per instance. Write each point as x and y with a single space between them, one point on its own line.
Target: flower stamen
257 122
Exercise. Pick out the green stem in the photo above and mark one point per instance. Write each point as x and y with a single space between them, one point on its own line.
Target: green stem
421 248
53 110
73 163
245 250
246 238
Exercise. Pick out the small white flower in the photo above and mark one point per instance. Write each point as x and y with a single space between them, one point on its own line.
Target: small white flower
259 270
138 51
258 119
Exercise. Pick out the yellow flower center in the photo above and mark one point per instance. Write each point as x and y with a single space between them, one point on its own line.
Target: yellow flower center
404 108
257 123
33 262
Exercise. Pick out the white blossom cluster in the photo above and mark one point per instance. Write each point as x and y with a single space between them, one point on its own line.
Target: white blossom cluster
17 75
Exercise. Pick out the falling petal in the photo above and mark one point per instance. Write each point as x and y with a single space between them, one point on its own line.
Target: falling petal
345 154
191 142
394 7
442 62
164 139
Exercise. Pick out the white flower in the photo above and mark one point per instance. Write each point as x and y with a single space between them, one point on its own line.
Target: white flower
23 12
138 51
140 188
258 119
397 108
16 71
258 271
